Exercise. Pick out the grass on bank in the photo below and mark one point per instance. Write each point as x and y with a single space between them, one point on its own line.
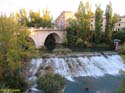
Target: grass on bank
123 56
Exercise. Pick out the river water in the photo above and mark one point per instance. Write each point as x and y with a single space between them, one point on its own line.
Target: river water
84 74
105 84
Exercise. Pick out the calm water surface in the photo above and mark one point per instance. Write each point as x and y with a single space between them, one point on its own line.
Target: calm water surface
106 84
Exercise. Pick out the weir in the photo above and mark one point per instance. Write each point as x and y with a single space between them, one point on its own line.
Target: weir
71 67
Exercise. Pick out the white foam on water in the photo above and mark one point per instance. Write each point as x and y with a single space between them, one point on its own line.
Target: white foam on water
94 66
35 65
70 79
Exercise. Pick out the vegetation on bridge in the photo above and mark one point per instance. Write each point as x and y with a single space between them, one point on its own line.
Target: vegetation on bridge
34 19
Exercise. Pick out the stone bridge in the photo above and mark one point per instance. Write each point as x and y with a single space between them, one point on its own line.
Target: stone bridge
39 36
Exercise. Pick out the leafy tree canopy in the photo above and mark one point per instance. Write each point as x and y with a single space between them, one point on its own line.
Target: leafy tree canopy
15 49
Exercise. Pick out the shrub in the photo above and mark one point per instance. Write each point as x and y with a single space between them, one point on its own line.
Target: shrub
62 51
45 55
17 81
42 48
51 83
123 49
123 56
87 44
119 35
3 86
102 45
65 42
79 41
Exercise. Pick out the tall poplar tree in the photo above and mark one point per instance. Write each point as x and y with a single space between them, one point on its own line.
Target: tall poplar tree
83 16
80 19
72 32
108 27
98 23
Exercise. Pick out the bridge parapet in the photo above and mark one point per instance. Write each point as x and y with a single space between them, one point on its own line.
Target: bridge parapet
46 29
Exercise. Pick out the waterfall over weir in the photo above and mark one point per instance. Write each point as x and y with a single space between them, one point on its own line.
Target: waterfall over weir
80 66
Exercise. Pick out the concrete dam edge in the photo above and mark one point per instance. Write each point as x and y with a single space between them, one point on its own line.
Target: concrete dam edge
79 54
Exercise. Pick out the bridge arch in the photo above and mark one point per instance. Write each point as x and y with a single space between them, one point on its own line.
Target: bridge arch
54 36
51 40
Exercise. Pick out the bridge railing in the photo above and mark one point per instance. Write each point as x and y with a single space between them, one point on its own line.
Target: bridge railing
45 29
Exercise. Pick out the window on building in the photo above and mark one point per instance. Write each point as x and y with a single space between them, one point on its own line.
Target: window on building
120 19
119 24
91 25
91 20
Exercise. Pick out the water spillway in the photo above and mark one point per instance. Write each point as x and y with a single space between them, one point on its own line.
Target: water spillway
80 66
98 72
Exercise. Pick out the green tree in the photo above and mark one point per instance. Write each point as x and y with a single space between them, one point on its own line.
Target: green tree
108 28
72 32
46 19
34 19
51 83
83 16
15 50
98 23
119 35
80 19
115 19
21 17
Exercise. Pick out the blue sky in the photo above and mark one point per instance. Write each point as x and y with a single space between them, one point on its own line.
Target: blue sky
56 6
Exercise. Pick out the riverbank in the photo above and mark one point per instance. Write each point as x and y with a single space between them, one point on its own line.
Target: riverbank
123 56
